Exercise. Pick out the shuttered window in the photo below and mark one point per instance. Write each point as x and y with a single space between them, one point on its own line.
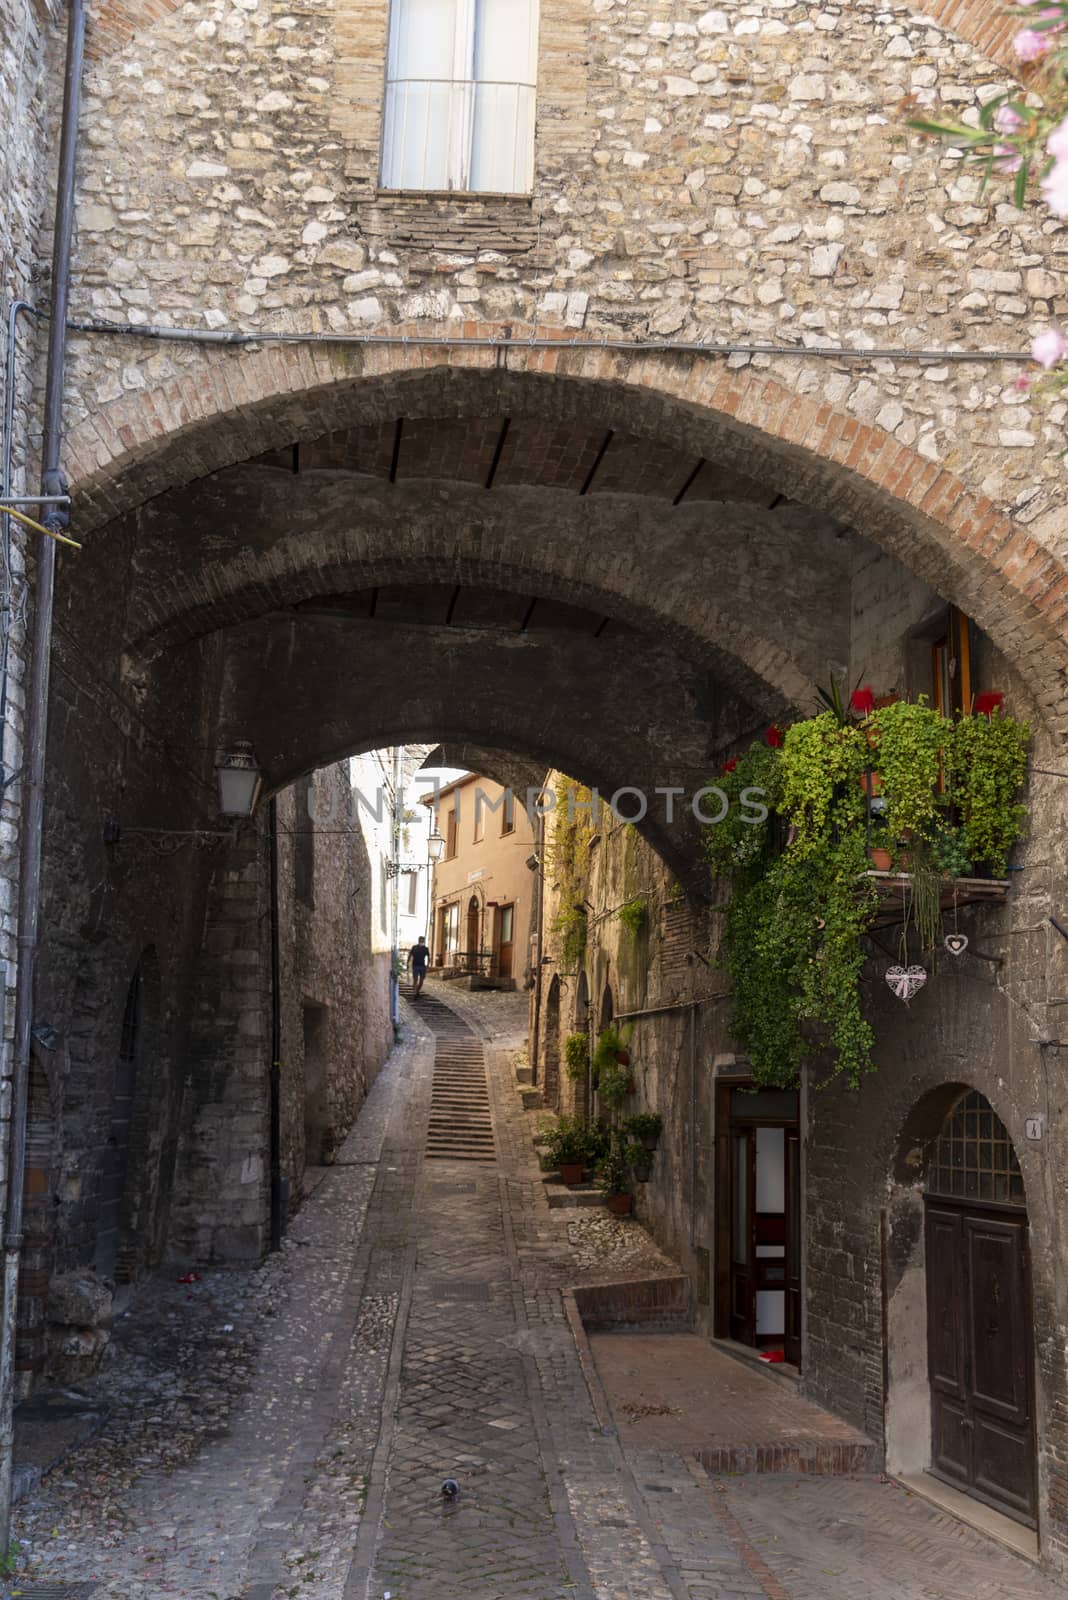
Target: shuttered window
460 94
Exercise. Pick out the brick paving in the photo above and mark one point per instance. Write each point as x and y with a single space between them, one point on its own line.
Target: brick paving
425 1335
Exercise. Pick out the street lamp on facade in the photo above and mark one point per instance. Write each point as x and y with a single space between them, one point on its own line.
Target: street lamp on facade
240 780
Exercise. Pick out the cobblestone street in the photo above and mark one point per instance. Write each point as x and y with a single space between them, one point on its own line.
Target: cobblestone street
414 1329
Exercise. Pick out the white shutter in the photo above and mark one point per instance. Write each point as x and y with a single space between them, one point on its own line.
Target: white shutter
505 55
460 95
422 145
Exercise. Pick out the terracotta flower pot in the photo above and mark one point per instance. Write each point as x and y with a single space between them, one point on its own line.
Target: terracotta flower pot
871 783
619 1204
881 859
571 1172
623 1057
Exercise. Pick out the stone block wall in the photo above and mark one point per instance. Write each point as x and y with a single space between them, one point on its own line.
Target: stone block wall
724 174
335 1013
28 92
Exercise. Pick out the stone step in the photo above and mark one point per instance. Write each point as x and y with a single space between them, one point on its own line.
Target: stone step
570 1199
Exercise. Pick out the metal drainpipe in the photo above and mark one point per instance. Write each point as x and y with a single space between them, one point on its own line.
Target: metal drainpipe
396 829
539 911
693 1122
16 308
275 1078
52 482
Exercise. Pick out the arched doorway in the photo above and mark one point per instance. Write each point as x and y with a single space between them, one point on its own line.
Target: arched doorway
980 1351
551 1055
125 1157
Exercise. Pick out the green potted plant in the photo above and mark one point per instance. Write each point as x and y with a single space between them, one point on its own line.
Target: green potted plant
613 1086
643 1126
880 849
611 1056
612 1176
577 1056
639 1160
568 1149
949 852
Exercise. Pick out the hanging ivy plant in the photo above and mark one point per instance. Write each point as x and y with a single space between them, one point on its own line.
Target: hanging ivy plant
822 760
987 763
567 859
752 786
907 744
577 1055
802 898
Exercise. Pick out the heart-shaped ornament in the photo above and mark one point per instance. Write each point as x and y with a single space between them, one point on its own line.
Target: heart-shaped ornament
956 943
904 982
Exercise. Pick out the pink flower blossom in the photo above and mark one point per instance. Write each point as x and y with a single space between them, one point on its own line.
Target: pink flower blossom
1006 120
1030 46
1022 382
1054 188
1006 158
1057 143
1049 347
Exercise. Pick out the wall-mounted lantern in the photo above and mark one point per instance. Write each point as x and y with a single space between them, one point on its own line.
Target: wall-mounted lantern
240 780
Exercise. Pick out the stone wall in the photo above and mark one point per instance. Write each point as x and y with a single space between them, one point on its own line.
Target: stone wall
28 94
336 1030
725 174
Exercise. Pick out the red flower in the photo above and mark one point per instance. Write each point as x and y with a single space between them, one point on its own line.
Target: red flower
729 766
863 700
986 704
774 737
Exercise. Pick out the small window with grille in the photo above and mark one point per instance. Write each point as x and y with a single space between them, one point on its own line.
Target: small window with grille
973 1157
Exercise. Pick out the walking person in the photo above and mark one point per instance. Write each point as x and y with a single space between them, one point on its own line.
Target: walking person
418 957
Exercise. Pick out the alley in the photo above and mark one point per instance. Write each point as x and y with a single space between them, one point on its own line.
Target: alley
420 1333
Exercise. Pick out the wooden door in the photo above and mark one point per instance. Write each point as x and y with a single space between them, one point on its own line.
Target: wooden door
743 1236
504 941
980 1355
792 1337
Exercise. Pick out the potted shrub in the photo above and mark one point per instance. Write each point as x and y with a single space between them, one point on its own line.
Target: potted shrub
612 1045
568 1149
612 1175
613 1086
639 1160
644 1127
879 849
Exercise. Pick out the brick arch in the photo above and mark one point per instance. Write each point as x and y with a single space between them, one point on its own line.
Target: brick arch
233 405
981 23
322 535
609 717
